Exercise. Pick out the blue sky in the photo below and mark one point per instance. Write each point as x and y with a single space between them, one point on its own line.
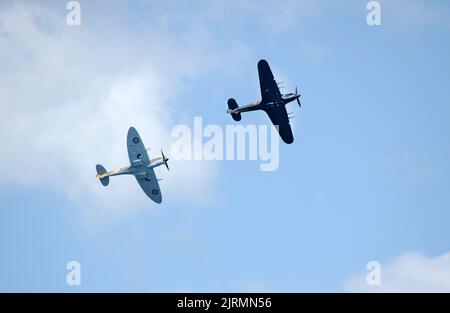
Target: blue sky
367 177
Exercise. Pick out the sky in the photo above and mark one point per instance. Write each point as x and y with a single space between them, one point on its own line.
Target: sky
366 179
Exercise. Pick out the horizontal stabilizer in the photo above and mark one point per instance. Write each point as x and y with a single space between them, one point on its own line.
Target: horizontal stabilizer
232 105
100 171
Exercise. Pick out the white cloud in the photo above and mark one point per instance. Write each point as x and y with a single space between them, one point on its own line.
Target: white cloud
410 272
69 94
67 98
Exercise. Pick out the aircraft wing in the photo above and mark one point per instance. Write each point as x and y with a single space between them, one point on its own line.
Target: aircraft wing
139 158
269 88
149 184
279 117
136 148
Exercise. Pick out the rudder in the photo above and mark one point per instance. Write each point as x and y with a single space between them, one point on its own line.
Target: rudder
232 104
101 170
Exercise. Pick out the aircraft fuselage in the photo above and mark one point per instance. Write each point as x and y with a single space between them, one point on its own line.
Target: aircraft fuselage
137 169
266 105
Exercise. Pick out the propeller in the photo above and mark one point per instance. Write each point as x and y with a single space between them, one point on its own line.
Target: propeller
164 159
298 100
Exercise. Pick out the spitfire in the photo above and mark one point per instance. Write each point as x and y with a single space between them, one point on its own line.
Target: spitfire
140 166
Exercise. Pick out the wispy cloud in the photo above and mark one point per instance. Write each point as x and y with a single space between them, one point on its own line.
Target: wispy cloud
68 96
410 272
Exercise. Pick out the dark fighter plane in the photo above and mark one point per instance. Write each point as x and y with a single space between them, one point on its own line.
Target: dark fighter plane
272 102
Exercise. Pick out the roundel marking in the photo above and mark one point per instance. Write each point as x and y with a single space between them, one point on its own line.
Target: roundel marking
155 192
135 139
138 155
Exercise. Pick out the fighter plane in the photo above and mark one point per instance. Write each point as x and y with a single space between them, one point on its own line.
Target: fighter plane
141 167
272 102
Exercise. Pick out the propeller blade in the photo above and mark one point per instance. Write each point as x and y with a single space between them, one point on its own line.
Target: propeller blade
298 99
165 160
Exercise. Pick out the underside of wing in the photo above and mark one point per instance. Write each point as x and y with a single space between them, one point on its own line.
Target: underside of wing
139 160
136 149
149 184
269 88
280 120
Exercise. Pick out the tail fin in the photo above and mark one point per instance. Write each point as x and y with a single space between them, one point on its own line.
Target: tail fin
100 171
232 104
